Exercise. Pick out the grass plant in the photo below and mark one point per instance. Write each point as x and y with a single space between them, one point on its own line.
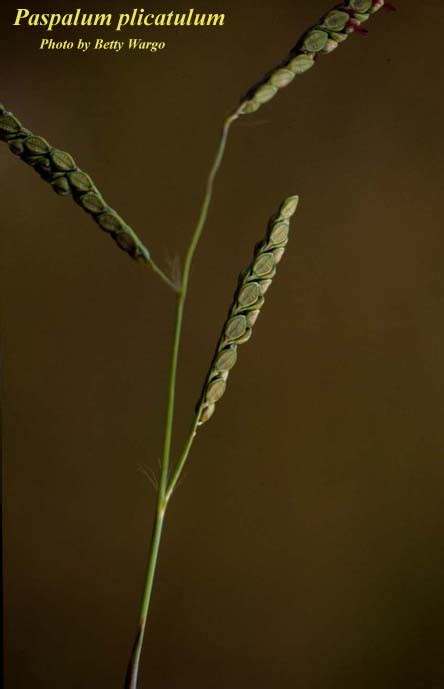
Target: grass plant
60 171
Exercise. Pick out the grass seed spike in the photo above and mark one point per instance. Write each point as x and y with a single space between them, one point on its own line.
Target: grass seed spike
334 28
247 303
59 169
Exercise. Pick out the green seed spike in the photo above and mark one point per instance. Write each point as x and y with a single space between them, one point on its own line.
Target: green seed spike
332 30
59 169
247 303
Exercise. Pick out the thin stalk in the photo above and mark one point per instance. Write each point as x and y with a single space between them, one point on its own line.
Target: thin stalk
182 300
150 261
133 666
164 493
183 458
206 202
162 275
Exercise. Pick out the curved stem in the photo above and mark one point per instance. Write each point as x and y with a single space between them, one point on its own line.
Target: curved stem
206 202
164 492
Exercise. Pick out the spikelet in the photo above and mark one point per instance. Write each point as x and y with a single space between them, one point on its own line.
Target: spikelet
247 303
61 172
332 29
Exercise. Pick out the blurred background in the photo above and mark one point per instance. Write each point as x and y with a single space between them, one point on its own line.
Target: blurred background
304 547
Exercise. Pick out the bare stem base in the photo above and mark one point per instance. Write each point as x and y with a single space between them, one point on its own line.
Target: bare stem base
133 666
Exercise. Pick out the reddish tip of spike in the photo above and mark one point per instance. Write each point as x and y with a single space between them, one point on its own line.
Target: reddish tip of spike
357 27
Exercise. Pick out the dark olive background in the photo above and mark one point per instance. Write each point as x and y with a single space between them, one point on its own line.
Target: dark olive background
304 547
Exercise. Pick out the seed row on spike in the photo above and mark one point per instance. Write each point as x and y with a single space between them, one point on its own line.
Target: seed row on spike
334 28
60 170
247 303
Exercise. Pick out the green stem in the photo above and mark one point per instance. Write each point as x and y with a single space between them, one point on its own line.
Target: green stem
183 457
133 666
164 492
182 299
206 202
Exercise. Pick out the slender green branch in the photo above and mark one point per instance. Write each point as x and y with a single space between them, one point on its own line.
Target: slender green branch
183 457
206 202
164 492
182 300
162 275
